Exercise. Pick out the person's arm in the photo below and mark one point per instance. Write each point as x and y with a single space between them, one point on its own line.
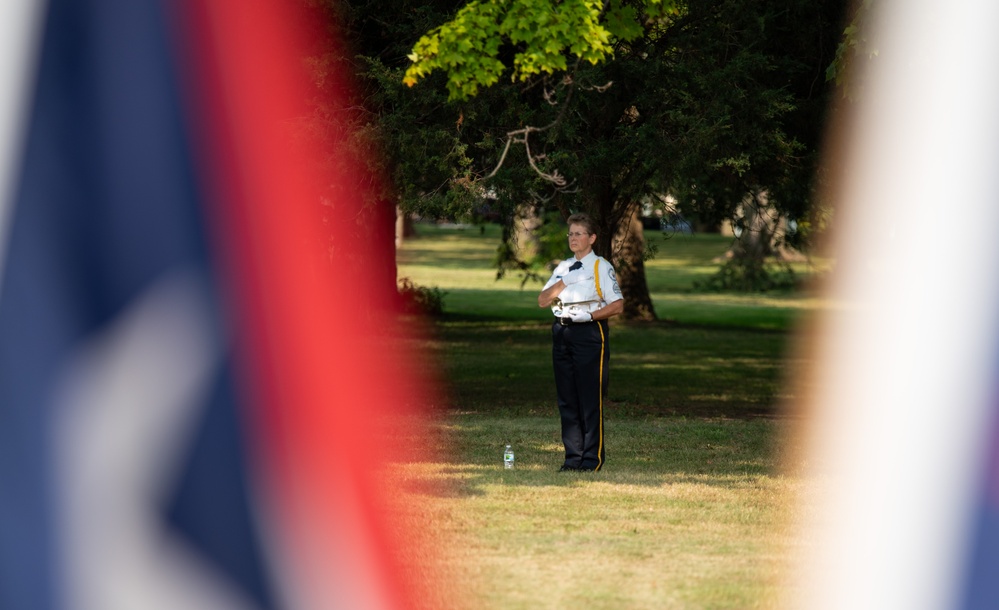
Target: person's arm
610 310
554 287
548 295
608 278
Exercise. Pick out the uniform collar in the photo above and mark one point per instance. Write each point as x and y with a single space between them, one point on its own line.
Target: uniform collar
588 259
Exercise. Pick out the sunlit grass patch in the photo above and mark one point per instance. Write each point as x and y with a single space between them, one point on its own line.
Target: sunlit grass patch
459 260
686 514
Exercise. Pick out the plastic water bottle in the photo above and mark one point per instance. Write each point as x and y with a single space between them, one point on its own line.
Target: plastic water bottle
508 458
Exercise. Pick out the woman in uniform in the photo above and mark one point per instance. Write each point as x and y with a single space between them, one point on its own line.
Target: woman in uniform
583 293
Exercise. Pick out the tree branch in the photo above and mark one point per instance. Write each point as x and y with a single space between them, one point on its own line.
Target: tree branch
522 136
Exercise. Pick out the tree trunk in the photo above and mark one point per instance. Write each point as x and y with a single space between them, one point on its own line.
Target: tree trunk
381 233
754 242
403 226
621 240
759 240
629 251
526 222
761 233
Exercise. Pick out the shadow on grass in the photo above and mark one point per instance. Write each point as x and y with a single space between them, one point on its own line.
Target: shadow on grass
503 367
470 480
656 452
452 258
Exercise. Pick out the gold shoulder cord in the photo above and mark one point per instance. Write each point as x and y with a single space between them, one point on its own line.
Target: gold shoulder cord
596 277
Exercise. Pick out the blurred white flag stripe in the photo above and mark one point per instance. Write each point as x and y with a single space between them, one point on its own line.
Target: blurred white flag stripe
905 392
19 35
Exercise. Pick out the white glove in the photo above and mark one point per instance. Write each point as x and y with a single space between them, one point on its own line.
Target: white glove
573 277
581 316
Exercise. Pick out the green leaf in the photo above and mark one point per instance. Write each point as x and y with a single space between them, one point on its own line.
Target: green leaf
548 29
622 22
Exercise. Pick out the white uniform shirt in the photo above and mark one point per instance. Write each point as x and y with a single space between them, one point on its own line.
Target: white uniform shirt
583 295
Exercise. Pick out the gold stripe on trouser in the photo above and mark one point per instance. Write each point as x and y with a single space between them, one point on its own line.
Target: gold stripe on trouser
600 446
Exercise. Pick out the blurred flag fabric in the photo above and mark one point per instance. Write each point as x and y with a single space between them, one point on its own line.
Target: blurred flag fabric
902 442
196 354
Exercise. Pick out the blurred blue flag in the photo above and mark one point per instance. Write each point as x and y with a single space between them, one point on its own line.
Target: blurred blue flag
981 590
123 468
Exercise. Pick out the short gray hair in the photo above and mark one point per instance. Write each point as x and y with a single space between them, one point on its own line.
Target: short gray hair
583 219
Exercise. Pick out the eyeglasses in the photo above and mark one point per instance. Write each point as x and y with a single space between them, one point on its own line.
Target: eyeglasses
576 234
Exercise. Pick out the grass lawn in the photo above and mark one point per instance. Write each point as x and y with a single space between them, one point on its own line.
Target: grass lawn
690 509
459 261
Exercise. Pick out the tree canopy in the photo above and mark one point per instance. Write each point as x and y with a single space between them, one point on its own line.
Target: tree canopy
544 36
704 101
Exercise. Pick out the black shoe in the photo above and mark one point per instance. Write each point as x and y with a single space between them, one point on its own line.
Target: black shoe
568 468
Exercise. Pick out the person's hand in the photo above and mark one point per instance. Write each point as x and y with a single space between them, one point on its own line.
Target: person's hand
561 269
581 316
574 274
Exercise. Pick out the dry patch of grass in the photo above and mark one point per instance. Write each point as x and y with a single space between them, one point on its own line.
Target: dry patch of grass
686 514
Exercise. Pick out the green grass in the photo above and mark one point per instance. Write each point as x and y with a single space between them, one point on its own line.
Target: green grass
656 369
459 260
691 507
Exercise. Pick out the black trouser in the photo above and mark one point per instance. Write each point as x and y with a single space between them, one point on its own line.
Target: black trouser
580 355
